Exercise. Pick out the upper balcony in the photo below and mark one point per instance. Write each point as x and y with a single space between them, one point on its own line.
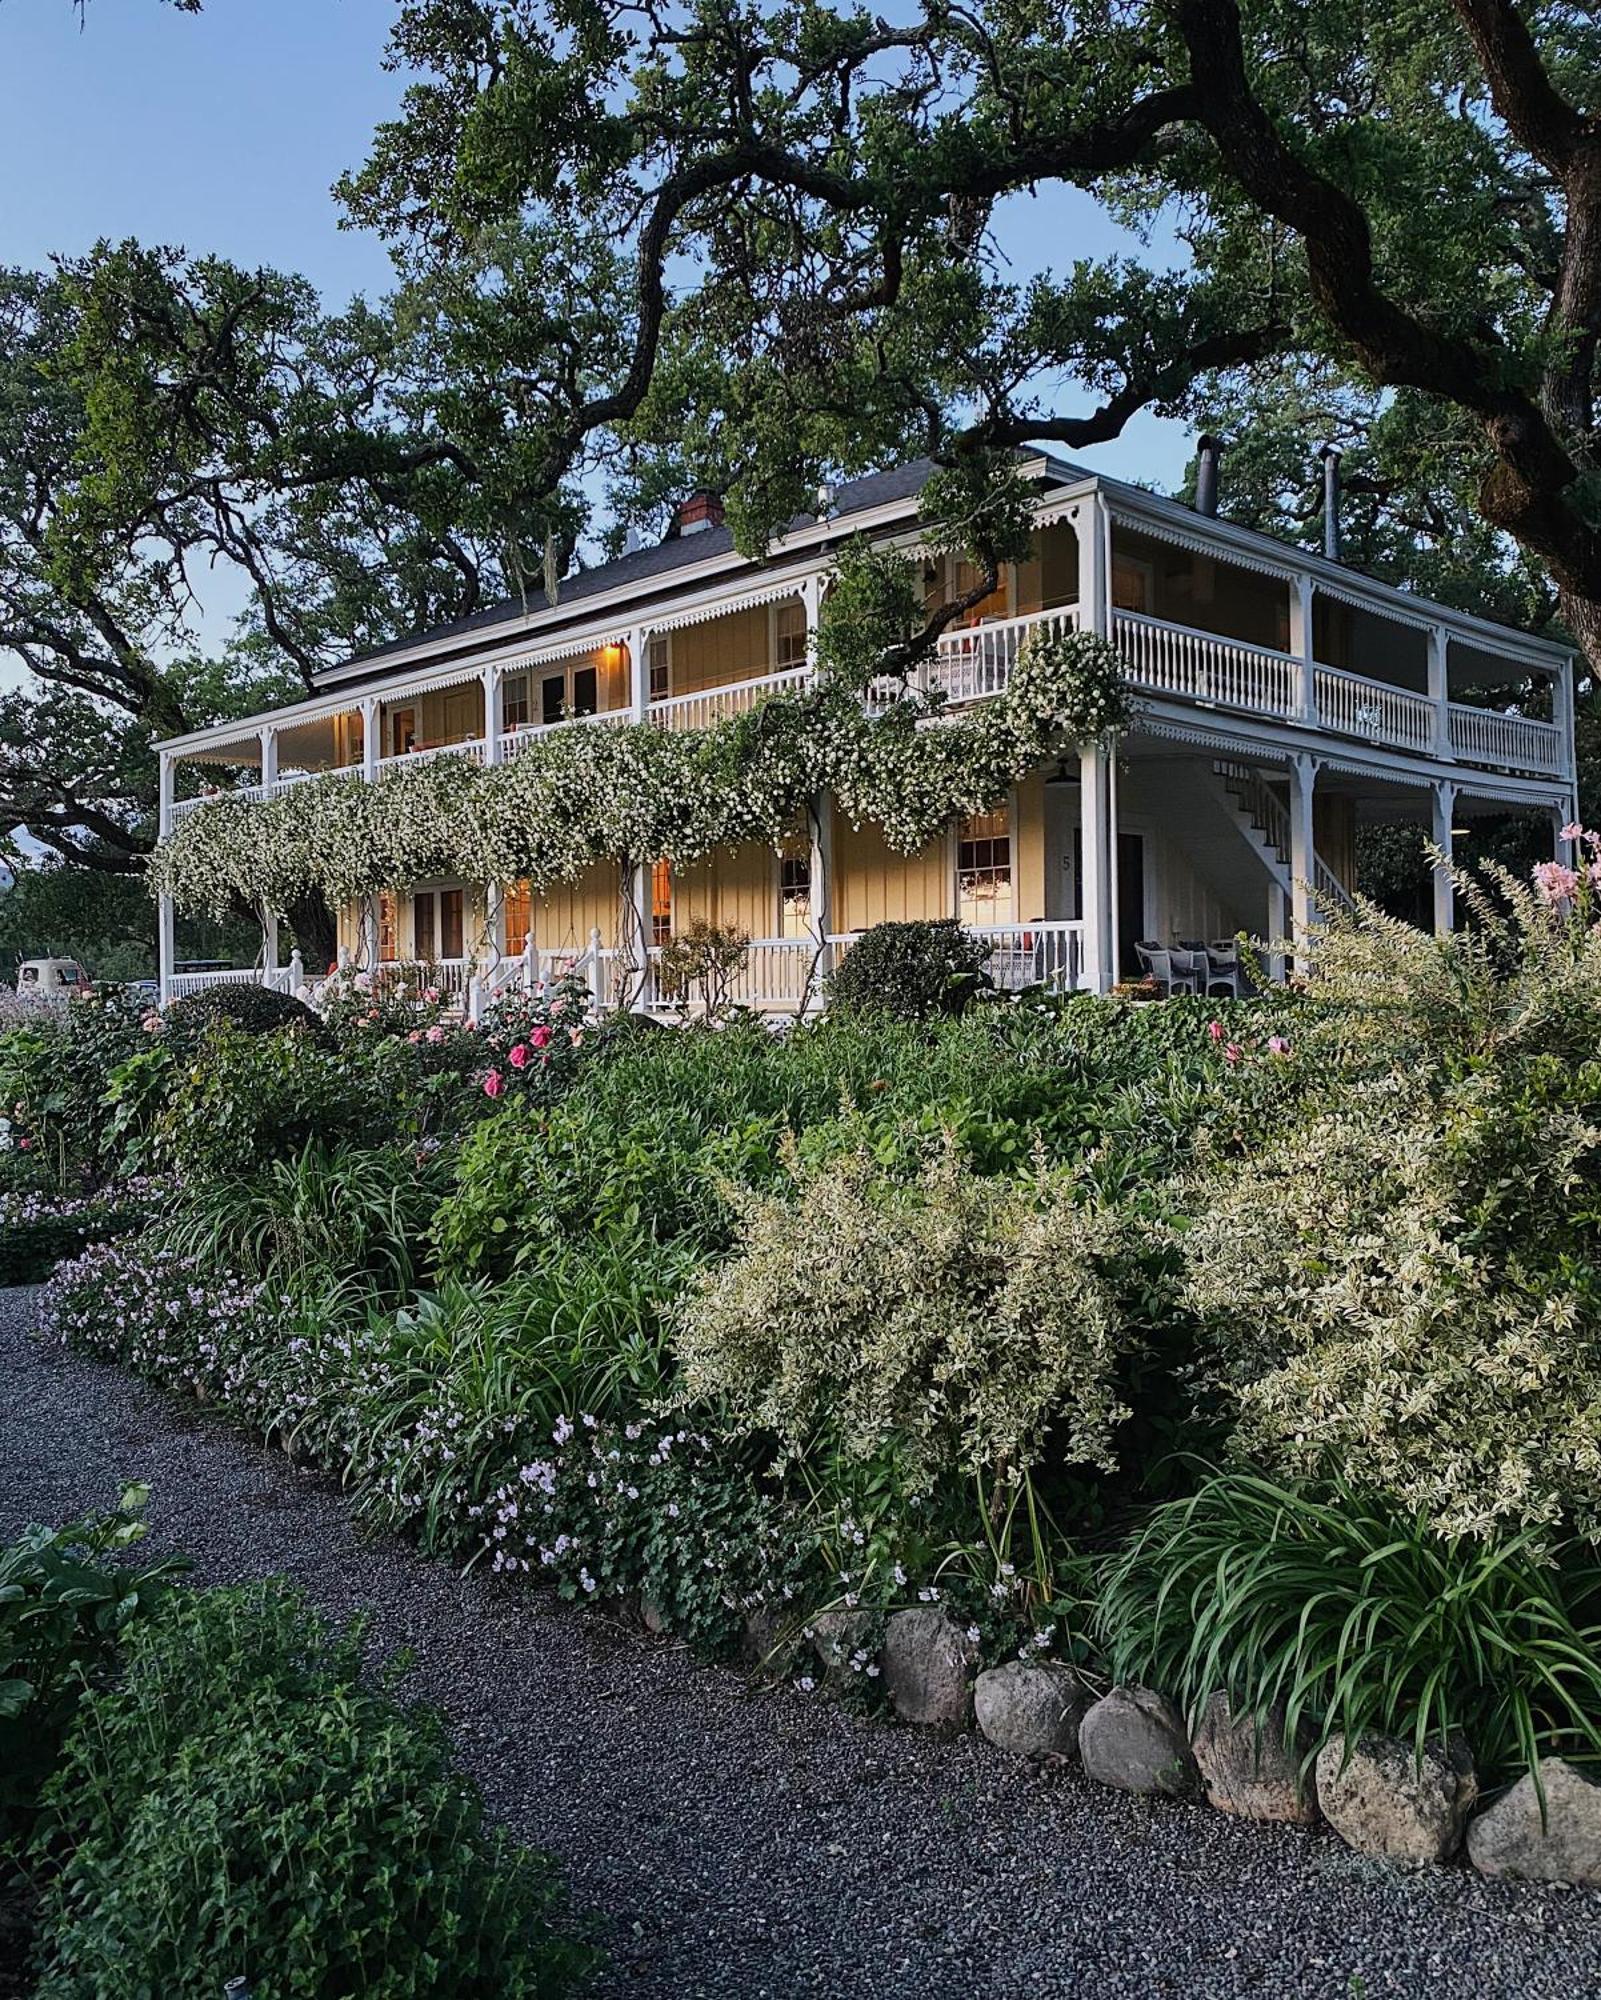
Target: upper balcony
1208 619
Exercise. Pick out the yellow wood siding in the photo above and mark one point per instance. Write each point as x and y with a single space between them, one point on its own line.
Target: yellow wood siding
564 918
737 886
874 885
721 651
1028 849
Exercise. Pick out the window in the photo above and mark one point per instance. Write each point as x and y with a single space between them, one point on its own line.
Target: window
659 661
402 731
514 702
437 925
518 909
566 691
388 951
661 902
795 891
450 924
789 636
1133 585
984 869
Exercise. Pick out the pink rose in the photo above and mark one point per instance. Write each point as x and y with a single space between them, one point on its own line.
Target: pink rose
435 1033
494 1083
541 1036
1232 1053
518 1057
1278 1045
415 1035
1215 1030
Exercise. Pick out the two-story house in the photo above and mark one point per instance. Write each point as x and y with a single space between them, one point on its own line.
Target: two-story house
1283 701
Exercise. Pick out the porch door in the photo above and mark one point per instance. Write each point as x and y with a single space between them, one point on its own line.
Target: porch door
1131 928
1064 903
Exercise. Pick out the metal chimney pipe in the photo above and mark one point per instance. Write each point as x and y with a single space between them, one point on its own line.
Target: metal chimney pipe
1208 451
1331 503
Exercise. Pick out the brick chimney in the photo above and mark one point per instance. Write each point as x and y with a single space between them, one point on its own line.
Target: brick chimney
700 510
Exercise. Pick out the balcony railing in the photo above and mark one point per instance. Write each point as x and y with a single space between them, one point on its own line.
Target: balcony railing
1508 742
1173 662
708 705
1200 666
1352 705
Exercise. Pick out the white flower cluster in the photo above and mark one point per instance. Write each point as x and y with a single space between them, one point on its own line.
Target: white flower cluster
634 791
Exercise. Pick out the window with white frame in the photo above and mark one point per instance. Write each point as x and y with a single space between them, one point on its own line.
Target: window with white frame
659 659
661 902
984 869
789 635
795 889
514 702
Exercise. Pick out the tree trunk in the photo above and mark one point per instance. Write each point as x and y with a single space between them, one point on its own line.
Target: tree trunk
316 931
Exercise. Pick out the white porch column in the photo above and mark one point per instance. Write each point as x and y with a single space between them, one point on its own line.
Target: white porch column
1562 714
1303 854
494 714
1440 690
165 953
639 657
639 892
1092 526
1278 919
169 769
371 748
1096 888
822 878
811 596
1444 811
269 760
269 922
1301 646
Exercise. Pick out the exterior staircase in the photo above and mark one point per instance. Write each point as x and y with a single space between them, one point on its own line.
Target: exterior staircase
1263 819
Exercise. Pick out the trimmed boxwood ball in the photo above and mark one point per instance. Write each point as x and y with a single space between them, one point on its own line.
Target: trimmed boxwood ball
256 1009
910 971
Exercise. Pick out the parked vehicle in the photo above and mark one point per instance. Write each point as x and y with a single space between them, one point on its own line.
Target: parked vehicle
51 978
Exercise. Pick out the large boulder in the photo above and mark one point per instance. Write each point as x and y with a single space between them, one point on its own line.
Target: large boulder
771 1643
1381 1800
1510 1838
840 1637
1135 1739
1249 1769
1032 1707
928 1669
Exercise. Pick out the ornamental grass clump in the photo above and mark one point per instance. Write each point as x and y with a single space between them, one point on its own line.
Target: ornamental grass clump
959 1323
1359 1616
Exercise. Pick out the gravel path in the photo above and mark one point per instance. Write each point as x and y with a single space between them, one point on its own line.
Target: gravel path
755 1845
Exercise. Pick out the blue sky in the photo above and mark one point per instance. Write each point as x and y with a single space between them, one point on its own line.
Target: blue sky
225 131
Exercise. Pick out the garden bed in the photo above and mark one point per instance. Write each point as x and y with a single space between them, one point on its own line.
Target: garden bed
738 1843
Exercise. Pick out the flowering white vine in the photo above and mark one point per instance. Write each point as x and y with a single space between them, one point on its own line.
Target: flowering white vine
633 791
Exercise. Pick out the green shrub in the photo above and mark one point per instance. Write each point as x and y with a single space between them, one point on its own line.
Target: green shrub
1359 1617
241 1804
953 1319
53 1074
254 1010
910 971
66 1599
355 1212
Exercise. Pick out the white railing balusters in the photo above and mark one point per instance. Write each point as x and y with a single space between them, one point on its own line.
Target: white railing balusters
1201 666
705 706
1515 742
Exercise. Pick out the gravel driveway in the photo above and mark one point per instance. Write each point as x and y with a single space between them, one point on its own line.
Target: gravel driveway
765 1845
